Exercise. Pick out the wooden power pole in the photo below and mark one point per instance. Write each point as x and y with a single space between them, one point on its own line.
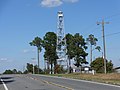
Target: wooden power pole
104 47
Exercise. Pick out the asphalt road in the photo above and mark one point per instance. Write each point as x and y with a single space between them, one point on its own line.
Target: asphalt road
22 82
1 86
41 82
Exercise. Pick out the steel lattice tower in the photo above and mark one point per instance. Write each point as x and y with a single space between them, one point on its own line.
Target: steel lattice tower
61 41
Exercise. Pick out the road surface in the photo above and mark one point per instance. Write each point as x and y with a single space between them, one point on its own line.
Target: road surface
22 82
41 82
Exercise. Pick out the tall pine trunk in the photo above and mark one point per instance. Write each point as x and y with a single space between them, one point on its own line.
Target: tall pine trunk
38 59
55 63
90 53
51 68
69 65
48 69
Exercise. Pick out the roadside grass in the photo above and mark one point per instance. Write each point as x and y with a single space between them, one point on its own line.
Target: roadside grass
112 78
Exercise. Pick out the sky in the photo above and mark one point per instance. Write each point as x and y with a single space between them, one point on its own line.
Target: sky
22 20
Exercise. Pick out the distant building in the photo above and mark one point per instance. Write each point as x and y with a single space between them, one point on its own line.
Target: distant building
117 69
83 69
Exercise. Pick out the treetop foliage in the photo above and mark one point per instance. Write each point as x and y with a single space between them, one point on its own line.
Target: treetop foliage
98 65
92 40
37 42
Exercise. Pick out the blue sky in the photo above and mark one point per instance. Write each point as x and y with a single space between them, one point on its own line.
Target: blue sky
22 20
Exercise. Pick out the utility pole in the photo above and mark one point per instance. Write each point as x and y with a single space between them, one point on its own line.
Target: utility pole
104 47
33 68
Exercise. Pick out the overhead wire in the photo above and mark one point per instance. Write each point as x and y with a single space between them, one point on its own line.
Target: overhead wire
109 17
91 28
110 34
113 34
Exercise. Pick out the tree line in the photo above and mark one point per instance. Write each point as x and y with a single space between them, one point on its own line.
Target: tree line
14 71
76 50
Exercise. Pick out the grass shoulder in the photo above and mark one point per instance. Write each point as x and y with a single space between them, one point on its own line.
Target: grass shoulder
112 78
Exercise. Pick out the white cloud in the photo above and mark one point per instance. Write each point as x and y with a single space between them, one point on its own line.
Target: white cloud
28 50
55 3
51 3
25 51
3 59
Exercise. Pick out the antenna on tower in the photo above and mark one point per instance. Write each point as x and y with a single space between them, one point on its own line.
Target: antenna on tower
61 41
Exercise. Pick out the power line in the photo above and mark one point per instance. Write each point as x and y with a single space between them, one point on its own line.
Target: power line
91 30
118 14
91 27
110 34
113 34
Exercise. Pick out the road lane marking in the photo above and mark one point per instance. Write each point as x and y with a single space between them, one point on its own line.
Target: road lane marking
57 85
47 82
4 84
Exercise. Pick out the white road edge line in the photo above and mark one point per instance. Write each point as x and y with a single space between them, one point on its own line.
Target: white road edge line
83 81
4 85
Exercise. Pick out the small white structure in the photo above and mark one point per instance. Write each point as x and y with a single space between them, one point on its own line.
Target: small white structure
83 69
117 69
93 72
